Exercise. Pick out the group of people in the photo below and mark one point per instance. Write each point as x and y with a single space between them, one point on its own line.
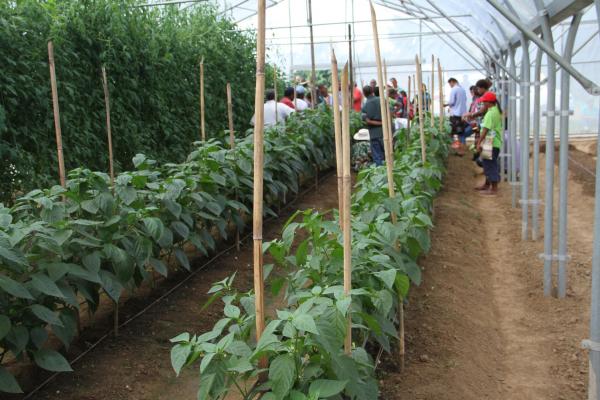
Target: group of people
484 119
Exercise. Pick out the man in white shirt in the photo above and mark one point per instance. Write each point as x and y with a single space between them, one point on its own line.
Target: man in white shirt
299 101
274 112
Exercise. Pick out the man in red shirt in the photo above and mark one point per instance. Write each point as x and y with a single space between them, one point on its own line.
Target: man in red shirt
288 97
357 99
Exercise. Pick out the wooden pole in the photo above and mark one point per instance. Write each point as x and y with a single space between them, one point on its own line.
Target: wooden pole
387 108
59 145
441 88
313 73
440 76
421 110
351 68
338 137
408 105
347 228
202 129
275 89
108 128
432 119
257 207
232 146
384 111
230 117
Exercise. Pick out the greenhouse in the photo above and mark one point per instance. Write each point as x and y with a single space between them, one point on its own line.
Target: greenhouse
299 200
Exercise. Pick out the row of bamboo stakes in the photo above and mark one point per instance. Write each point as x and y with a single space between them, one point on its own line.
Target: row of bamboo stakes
342 146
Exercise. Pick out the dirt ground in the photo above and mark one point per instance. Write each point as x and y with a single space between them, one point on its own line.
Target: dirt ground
479 326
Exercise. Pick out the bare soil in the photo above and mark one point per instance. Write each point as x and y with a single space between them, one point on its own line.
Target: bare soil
479 326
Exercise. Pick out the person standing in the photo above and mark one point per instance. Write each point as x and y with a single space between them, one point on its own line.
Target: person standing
288 97
489 144
356 98
300 103
274 113
458 107
371 113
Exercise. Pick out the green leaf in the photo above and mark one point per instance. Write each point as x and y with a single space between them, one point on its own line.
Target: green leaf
8 383
4 326
182 258
282 373
388 277
14 288
45 314
111 285
92 261
154 227
51 360
206 361
45 285
181 229
158 266
324 388
305 322
206 383
232 311
179 355
214 207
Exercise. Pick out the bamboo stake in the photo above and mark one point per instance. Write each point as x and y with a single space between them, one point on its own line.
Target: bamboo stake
275 90
384 111
338 137
441 95
55 107
421 111
202 129
347 228
387 108
432 119
257 207
108 128
313 73
232 146
230 117
409 106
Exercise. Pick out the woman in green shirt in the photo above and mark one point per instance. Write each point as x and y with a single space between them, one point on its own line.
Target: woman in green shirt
491 134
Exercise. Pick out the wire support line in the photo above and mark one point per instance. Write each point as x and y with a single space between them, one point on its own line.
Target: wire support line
203 267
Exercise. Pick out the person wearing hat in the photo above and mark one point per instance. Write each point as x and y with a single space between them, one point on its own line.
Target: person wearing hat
371 112
361 150
300 103
490 143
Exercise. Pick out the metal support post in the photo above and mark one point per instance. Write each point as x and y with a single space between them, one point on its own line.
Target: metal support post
524 172
512 132
535 207
549 177
594 347
565 79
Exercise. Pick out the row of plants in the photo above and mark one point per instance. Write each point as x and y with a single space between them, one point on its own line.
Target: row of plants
302 343
61 246
152 56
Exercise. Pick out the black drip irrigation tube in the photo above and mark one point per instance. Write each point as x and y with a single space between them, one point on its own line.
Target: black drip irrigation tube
208 263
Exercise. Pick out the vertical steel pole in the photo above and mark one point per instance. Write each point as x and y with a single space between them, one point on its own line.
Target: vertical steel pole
594 357
565 80
525 85
535 206
549 178
504 103
512 132
313 73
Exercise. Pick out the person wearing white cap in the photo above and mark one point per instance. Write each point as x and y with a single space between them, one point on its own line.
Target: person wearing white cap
301 104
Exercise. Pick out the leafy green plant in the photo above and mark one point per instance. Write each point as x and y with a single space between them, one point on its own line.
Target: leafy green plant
303 342
61 245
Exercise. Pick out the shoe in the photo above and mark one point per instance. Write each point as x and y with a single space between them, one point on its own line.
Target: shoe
488 193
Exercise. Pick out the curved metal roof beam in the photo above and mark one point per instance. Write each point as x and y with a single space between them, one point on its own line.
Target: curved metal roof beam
590 86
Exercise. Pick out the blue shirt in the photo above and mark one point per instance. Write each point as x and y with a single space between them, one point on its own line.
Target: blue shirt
458 101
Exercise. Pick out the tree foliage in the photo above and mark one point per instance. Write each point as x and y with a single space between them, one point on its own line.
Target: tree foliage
152 57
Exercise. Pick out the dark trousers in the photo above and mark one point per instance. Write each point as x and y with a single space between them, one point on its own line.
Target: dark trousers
377 151
490 167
